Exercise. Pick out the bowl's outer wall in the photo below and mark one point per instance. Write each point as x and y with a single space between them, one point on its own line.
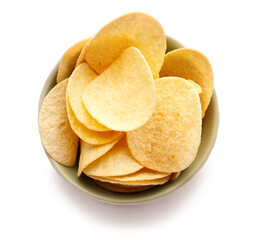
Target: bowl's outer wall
87 186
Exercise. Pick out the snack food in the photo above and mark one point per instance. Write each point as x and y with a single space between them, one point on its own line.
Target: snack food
141 175
69 60
58 138
90 153
169 141
88 135
136 112
190 64
122 97
133 29
81 57
158 181
197 87
121 187
118 161
79 79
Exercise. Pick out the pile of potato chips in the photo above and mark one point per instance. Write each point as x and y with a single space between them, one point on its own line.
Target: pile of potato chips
135 111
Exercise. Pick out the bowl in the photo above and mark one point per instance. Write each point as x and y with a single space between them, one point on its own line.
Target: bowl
90 188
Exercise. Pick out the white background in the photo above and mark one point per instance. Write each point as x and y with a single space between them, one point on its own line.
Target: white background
36 203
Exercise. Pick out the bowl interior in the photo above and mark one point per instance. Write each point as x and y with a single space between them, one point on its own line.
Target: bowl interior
87 186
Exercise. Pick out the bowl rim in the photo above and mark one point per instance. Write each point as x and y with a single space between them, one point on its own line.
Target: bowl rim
145 198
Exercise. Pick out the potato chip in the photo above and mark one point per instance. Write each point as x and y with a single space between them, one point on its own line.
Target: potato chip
57 136
80 77
174 176
89 153
123 97
190 64
68 60
81 57
137 111
158 181
116 162
134 29
122 188
87 135
143 174
169 141
197 87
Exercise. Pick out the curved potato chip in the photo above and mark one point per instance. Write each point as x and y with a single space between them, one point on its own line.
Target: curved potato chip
57 136
88 135
117 161
197 87
81 57
174 176
134 29
68 60
143 174
89 153
190 64
122 188
169 141
123 97
79 79
158 181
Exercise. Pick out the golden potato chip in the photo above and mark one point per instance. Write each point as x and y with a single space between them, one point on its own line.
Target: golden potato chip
80 77
89 153
197 87
117 161
174 176
122 188
123 97
134 29
68 60
169 141
190 64
81 57
143 174
57 136
87 135
158 181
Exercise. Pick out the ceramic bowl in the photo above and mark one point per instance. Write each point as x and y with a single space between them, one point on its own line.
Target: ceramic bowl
90 188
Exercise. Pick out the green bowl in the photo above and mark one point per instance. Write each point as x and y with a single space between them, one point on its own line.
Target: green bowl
90 188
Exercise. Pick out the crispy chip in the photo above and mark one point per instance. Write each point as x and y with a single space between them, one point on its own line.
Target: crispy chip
137 111
143 174
80 77
87 135
68 60
197 87
158 181
134 29
123 97
122 188
174 176
89 153
169 141
116 162
81 57
190 64
58 138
